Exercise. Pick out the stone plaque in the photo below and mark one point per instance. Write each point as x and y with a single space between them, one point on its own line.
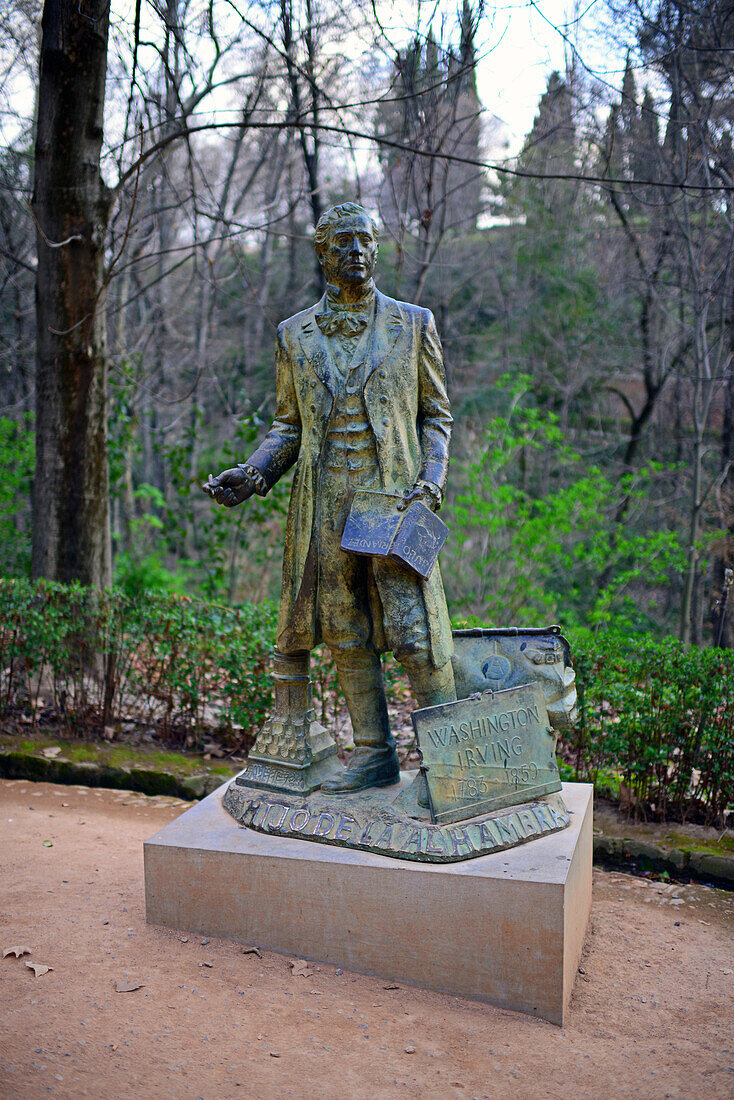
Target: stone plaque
492 750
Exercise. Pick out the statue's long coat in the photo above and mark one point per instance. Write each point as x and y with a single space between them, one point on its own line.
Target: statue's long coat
408 409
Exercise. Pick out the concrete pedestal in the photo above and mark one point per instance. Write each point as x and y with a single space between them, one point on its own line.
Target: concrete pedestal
507 928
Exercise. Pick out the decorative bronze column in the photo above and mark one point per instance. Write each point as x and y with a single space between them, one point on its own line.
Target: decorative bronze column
293 752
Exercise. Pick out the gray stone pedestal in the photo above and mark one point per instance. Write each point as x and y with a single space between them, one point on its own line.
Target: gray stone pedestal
507 928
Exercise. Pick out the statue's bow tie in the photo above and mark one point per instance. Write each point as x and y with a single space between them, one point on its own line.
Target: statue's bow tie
339 321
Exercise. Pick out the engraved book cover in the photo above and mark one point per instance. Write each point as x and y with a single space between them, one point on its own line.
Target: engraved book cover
375 527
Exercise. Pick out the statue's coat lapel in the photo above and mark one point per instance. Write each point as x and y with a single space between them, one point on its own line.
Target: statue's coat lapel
388 327
315 347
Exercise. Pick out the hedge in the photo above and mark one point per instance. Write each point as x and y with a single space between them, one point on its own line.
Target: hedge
91 659
655 727
658 717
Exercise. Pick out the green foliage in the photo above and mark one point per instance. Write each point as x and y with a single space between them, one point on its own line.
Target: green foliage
227 546
535 536
142 568
655 727
17 464
659 717
176 664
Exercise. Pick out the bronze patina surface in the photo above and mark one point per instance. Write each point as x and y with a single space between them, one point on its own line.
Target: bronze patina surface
377 524
492 750
362 413
391 822
361 404
293 751
503 657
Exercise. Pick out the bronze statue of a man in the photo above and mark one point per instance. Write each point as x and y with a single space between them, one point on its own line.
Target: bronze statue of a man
361 404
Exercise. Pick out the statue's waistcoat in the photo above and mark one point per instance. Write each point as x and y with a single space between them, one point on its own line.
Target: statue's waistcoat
350 441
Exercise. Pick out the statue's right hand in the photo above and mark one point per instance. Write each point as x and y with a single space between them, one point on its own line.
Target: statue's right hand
230 487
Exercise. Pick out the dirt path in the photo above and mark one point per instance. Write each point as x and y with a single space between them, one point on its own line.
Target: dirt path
652 1016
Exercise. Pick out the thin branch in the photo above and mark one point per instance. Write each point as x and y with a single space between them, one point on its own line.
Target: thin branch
53 244
624 399
296 124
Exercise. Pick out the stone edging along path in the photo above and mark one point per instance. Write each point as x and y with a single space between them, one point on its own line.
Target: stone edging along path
24 765
622 853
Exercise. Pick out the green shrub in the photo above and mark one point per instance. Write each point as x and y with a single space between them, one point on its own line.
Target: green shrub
659 717
180 665
528 545
655 727
17 464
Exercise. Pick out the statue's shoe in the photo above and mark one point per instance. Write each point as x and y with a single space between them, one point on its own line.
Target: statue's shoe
374 770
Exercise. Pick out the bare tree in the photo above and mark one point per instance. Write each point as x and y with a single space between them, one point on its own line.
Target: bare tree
682 240
433 109
72 205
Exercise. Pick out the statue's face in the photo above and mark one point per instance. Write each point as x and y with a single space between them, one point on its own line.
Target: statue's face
350 255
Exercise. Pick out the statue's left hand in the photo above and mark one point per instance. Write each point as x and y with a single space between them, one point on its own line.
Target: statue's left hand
421 492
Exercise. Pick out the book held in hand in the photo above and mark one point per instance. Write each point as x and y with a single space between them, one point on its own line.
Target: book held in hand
376 528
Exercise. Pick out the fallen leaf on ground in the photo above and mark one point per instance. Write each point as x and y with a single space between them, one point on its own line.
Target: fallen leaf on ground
38 968
252 951
301 969
17 951
127 987
48 843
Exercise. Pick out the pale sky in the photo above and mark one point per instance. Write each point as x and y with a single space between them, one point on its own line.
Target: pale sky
517 48
517 55
512 76
518 45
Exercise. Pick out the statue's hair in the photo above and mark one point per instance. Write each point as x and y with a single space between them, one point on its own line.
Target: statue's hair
328 220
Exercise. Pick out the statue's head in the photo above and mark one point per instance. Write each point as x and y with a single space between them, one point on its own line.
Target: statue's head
346 244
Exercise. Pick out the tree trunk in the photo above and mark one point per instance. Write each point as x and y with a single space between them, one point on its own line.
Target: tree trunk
71 521
722 613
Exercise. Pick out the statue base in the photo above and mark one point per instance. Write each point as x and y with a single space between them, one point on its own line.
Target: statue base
507 928
391 821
